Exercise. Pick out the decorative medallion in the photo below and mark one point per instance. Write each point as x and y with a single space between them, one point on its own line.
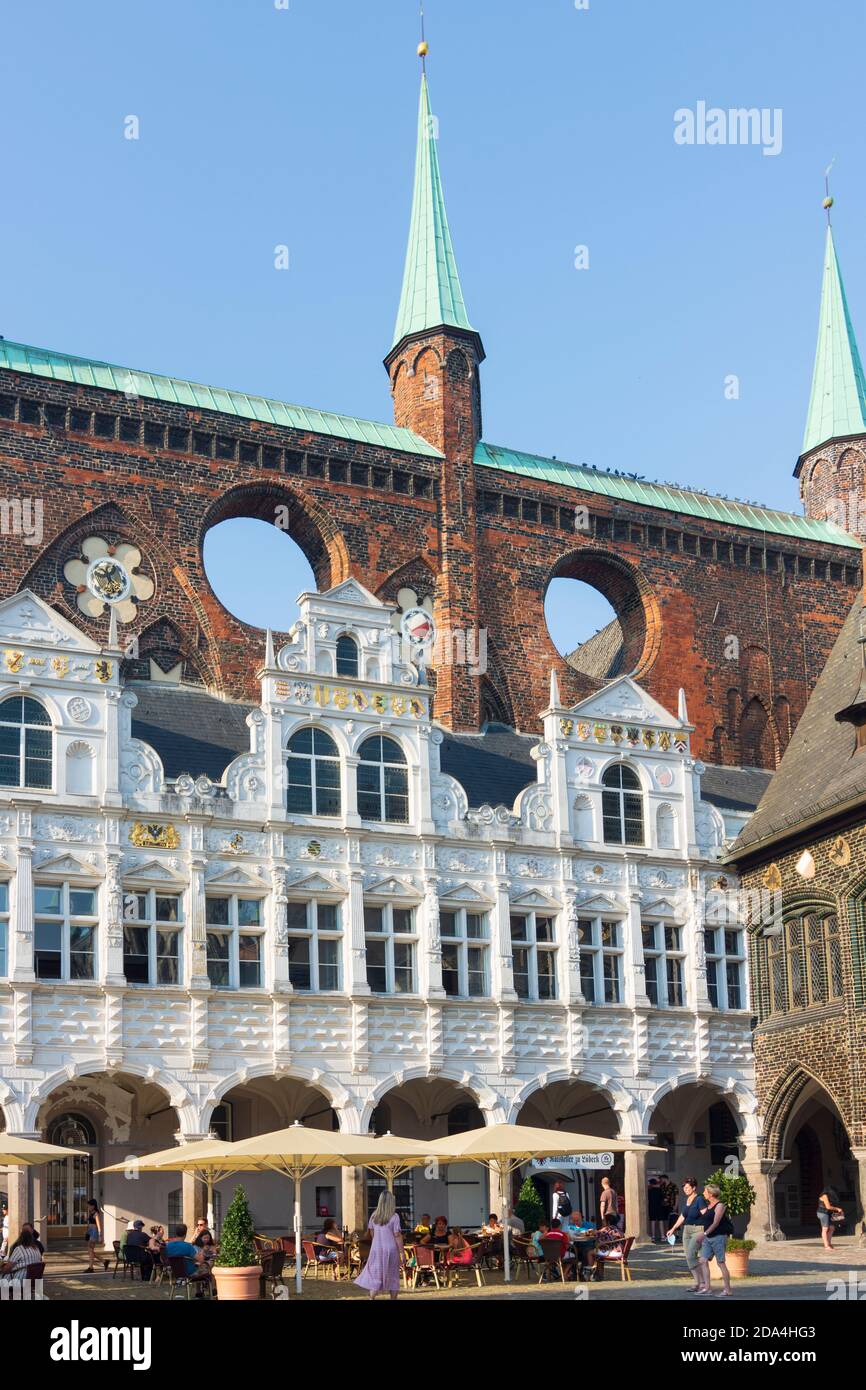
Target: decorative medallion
664 777
633 736
13 660
154 836
720 883
664 741
567 727
107 575
616 733
600 733
772 877
79 709
840 852
60 667
649 738
103 671
582 730
805 865
314 849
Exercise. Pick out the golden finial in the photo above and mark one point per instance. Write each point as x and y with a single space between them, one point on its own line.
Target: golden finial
423 49
828 201
827 204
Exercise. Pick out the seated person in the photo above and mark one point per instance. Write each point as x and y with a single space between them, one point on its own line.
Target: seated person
28 1226
438 1236
329 1242
610 1240
558 1234
157 1239
24 1253
423 1227
179 1245
539 1235
138 1241
575 1225
492 1226
459 1249
201 1228
207 1246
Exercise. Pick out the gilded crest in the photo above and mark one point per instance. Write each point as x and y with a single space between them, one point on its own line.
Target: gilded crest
567 726
14 660
154 836
840 852
772 877
103 671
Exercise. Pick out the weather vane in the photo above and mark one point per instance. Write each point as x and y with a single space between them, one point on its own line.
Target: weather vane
828 201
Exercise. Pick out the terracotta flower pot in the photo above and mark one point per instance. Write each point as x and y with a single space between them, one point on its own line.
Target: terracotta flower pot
738 1263
235 1283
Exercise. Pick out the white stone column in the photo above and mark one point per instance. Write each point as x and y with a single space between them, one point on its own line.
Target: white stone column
111 792
502 973
635 968
424 808
114 913
196 933
21 917
349 785
354 948
280 982
431 943
636 1202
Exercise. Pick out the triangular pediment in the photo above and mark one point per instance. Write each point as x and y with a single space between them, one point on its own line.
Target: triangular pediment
599 902
232 876
391 888
28 620
350 591
154 871
65 864
665 907
625 701
314 883
466 895
536 901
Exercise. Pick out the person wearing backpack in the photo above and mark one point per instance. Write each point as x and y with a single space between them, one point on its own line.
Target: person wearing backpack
561 1203
711 1241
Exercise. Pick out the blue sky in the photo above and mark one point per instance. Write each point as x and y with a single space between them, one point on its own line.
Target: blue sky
261 126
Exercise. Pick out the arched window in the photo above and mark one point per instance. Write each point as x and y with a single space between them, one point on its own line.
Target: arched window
25 743
313 774
622 806
383 781
347 656
72 1132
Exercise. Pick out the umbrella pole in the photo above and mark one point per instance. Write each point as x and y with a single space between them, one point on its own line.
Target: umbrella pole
210 1224
504 1179
299 1276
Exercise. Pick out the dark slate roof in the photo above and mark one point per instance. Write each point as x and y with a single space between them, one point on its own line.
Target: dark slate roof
492 767
191 730
817 774
734 788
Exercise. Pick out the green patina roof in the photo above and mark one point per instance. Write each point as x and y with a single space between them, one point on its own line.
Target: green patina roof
661 495
60 366
431 293
837 406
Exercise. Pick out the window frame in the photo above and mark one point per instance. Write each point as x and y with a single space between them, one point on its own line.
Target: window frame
621 793
391 939
663 957
235 931
382 792
315 935
67 920
722 960
24 728
346 637
312 760
534 947
782 950
464 944
5 918
599 953
153 927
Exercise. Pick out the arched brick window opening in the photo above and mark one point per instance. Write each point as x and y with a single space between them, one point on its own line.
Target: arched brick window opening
628 640
757 745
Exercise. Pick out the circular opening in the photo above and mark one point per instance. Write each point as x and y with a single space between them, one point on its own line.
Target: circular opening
595 615
583 626
256 571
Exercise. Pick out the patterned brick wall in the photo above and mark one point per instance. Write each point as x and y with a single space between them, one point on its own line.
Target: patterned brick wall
485 543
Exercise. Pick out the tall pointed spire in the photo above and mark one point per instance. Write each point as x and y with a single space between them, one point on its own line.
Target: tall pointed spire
431 296
837 406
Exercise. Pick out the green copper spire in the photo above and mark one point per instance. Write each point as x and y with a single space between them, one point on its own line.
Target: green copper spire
837 406
431 294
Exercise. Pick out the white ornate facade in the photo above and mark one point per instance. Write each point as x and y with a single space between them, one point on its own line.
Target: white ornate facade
188 952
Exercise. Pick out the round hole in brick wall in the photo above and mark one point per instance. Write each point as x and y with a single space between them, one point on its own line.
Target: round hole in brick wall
256 571
602 615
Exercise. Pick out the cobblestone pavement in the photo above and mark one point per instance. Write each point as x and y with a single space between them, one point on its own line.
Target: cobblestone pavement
798 1271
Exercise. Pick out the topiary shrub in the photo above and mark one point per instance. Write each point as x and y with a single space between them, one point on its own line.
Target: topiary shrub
530 1207
236 1238
737 1192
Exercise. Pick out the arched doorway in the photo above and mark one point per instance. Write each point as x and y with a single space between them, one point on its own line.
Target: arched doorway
69 1181
578 1107
806 1132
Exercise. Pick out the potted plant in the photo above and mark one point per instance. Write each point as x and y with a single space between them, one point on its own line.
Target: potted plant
738 1196
530 1207
235 1270
737 1257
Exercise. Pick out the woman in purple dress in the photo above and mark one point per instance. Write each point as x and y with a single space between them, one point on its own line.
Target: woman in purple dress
381 1273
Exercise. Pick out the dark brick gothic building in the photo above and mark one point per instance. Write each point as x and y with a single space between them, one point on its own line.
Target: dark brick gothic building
152 462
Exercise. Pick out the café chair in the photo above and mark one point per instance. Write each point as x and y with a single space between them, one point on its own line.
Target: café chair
425 1263
608 1255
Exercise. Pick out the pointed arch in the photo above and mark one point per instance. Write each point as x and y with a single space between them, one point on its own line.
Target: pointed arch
782 1103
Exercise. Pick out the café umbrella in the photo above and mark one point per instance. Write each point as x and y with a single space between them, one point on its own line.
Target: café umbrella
300 1151
16 1152
209 1160
503 1148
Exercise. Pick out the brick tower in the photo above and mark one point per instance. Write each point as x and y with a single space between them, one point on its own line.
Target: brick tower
832 465
433 369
